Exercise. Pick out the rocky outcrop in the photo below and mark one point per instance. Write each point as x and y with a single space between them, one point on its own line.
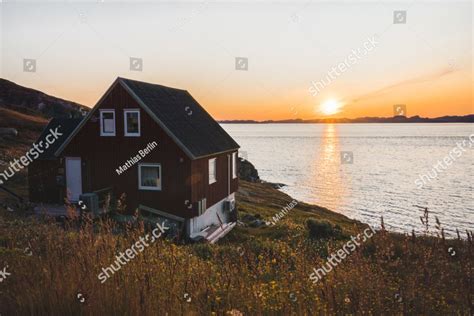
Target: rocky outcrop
247 171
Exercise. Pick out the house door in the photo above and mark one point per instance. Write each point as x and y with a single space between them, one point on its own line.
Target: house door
73 178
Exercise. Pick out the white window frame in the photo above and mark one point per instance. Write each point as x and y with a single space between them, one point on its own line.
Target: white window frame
234 165
212 179
102 132
147 188
125 126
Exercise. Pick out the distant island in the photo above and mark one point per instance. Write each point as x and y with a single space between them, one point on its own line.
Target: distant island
395 119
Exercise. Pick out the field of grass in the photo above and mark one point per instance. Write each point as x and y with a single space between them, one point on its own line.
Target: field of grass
29 128
252 271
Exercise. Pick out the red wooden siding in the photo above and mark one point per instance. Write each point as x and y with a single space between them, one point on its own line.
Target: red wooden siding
200 179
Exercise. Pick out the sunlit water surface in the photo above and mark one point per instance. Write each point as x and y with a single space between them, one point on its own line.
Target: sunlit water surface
387 159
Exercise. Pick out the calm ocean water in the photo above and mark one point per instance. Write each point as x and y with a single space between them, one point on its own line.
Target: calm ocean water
380 181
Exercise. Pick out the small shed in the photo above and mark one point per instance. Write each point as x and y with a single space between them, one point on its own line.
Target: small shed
46 183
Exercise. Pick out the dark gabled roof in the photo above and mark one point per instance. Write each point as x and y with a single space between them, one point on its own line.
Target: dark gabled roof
182 117
63 125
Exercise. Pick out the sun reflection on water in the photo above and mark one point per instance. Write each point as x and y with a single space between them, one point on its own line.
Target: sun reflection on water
331 181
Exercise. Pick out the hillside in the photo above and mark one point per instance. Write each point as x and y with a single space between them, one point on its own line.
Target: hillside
29 128
254 270
36 103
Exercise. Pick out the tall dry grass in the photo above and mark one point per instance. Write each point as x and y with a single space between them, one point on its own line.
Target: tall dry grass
389 275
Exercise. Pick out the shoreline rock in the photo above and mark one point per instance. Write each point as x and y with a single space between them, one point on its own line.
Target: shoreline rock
248 172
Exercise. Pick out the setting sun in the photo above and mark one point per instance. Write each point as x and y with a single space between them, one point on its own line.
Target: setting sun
330 107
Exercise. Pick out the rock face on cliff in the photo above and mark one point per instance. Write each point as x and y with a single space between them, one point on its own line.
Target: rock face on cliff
247 171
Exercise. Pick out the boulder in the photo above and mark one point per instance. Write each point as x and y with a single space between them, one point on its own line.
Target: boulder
247 171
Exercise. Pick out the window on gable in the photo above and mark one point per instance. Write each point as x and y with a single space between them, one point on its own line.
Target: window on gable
234 165
107 123
132 122
212 170
149 176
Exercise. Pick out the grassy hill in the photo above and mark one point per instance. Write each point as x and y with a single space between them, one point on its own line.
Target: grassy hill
263 201
252 271
33 102
29 128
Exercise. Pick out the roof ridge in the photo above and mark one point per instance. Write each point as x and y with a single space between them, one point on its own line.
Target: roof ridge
152 84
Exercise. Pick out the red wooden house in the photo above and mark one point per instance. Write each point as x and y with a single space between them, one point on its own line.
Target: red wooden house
157 145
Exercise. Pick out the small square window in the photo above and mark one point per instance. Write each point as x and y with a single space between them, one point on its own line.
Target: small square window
212 170
149 176
132 122
107 123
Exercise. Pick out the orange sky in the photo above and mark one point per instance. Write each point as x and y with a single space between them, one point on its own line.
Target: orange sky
450 94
